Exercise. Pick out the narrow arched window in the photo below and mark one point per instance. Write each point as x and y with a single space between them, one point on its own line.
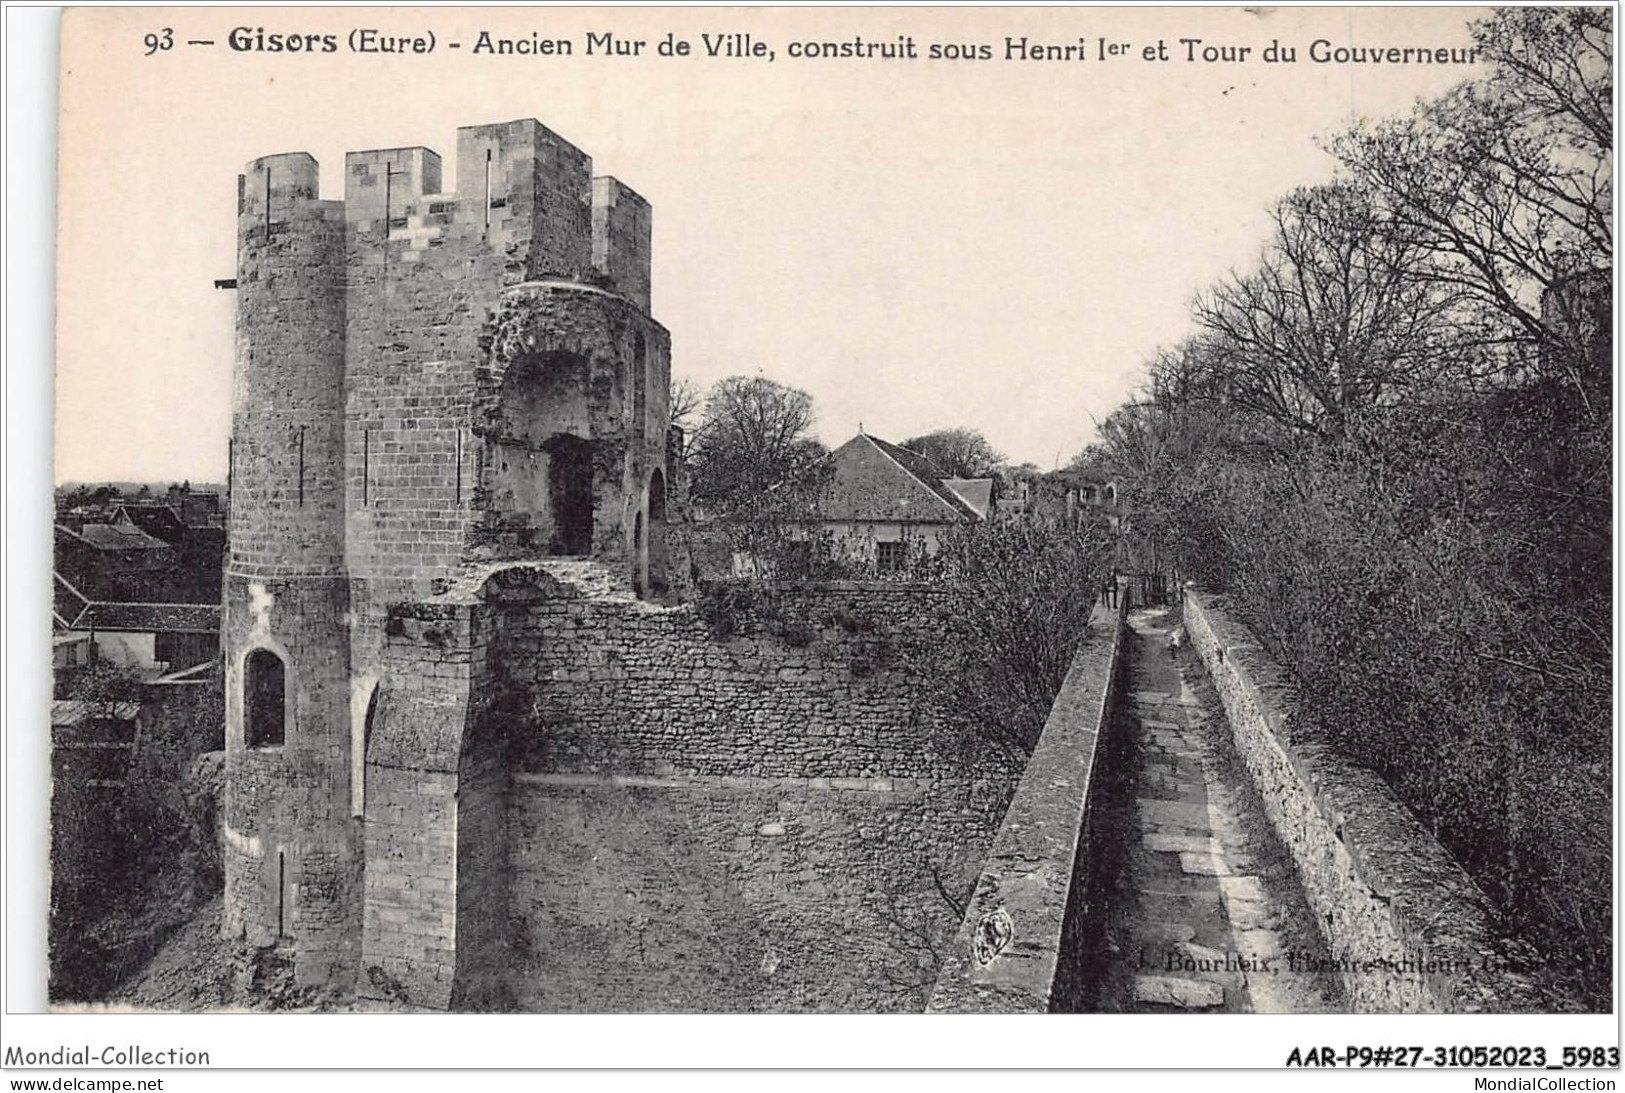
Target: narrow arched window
358 755
657 554
264 699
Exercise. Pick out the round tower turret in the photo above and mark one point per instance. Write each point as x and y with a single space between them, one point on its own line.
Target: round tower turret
292 845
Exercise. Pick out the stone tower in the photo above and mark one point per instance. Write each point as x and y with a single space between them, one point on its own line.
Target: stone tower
426 382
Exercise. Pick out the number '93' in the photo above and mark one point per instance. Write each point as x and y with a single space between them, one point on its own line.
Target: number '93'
159 41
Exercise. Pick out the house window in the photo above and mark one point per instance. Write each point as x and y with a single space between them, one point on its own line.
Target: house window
798 559
264 706
890 557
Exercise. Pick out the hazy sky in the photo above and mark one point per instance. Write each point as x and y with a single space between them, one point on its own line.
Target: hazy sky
919 244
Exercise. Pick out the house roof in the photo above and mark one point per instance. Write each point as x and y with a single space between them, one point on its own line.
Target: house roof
113 537
881 482
159 521
975 492
928 474
152 618
72 711
73 610
67 602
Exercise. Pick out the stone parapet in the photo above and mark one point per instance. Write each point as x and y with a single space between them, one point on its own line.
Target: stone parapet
1408 929
1017 944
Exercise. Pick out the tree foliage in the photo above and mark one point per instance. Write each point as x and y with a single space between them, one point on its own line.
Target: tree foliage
1018 597
958 452
753 435
757 474
1390 442
161 857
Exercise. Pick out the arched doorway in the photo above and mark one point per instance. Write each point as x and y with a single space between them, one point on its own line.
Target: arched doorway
658 582
542 453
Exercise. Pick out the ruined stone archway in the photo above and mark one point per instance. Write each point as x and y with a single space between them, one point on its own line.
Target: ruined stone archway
541 458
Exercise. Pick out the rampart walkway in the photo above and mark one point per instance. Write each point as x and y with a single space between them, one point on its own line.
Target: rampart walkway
1205 912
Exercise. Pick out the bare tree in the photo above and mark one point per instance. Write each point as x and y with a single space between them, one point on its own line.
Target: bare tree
758 473
919 911
1016 606
1334 320
1506 183
1453 294
686 402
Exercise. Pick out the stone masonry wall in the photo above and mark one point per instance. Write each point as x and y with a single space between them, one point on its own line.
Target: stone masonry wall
375 339
725 895
788 681
762 767
436 285
435 815
1027 922
1411 931
292 848
287 494
646 809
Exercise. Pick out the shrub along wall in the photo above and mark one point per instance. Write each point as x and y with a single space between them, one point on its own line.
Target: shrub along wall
1410 930
1446 631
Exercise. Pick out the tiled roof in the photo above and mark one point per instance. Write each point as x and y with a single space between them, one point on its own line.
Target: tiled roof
153 618
928 474
975 492
159 521
115 537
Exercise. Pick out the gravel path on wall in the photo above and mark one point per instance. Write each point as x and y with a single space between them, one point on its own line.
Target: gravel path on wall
1205 912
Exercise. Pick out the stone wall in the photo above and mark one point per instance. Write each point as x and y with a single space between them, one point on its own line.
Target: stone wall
1020 942
1410 930
287 429
292 847
759 680
380 339
739 806
736 807
446 292
434 803
735 894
